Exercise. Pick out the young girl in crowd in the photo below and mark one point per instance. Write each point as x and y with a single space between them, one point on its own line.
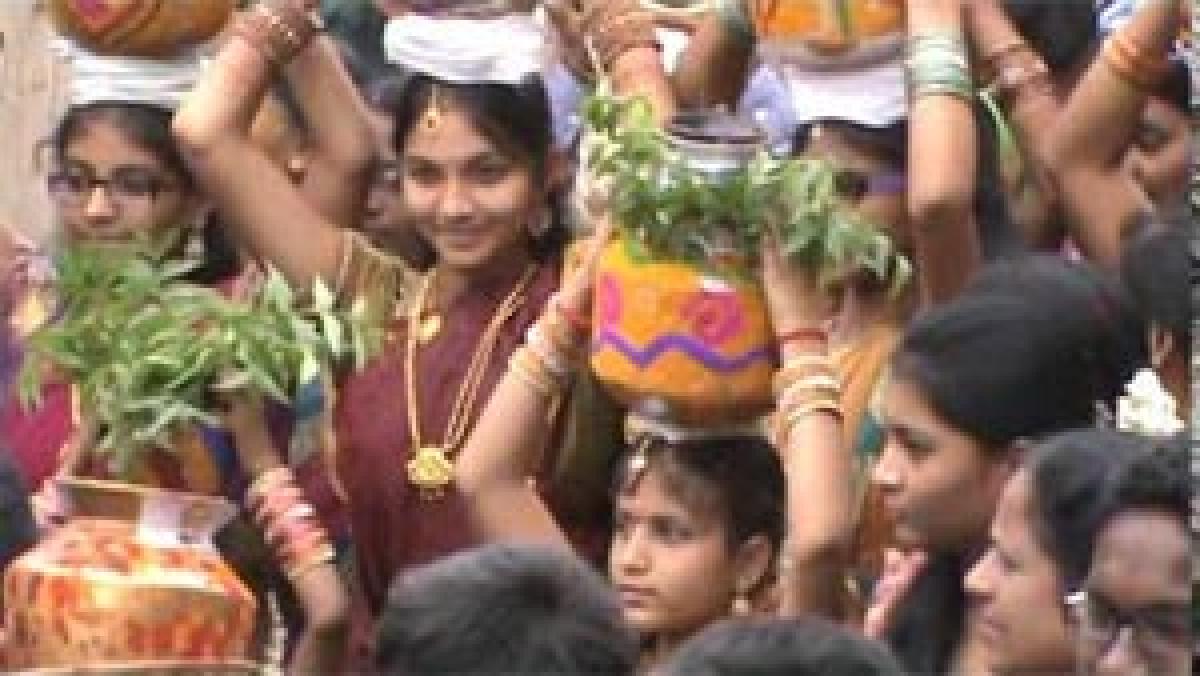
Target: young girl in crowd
117 178
698 522
970 382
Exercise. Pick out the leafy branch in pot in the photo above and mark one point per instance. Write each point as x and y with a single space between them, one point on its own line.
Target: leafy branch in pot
671 211
148 350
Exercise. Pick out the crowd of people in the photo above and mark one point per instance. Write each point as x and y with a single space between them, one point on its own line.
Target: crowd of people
956 480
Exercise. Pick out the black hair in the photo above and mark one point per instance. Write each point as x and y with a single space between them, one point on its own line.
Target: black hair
1156 267
1061 33
145 125
504 609
1071 478
1159 479
738 479
1176 88
888 144
149 127
930 622
1029 349
802 647
516 118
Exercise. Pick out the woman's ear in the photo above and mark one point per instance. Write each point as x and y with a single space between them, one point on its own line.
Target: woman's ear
558 171
1018 451
752 563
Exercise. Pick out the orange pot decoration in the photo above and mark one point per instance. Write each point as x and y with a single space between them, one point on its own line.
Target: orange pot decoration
144 28
831 30
687 346
100 591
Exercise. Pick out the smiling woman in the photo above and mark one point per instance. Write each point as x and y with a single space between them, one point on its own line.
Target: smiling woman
477 173
1041 543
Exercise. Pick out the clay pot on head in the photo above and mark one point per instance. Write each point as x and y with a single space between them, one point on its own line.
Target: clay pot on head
143 28
682 343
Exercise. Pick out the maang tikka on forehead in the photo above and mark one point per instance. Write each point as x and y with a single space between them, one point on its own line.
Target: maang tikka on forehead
432 117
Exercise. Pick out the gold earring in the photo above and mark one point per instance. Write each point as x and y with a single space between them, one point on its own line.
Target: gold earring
741 605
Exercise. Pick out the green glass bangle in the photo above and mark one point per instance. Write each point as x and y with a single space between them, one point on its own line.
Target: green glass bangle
958 89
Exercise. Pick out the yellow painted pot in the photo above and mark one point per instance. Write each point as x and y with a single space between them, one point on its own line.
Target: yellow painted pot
133 579
686 346
146 28
831 32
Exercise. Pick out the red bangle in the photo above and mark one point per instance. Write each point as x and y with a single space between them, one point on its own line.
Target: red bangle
808 333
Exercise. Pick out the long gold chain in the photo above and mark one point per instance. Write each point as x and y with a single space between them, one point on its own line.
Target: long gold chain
430 468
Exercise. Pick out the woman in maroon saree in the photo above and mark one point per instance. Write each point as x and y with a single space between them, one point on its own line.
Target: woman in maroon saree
478 176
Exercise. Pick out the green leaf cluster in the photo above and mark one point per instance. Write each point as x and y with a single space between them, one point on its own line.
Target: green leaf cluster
149 351
671 211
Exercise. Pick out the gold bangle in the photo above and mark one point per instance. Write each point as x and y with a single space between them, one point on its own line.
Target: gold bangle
268 481
785 379
324 555
830 406
806 396
527 367
805 360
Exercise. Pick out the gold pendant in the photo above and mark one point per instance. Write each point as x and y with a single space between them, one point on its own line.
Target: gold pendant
428 328
431 470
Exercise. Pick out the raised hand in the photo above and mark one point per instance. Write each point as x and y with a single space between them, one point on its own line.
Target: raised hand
794 294
900 571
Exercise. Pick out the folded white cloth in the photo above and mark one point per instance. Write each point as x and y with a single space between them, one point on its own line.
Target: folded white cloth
874 95
504 49
95 78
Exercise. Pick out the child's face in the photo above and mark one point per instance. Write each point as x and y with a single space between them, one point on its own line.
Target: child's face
670 564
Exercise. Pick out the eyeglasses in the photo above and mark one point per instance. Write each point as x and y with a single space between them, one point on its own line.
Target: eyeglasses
853 185
1155 630
73 186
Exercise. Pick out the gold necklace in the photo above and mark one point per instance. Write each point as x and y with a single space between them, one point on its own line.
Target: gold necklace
430 468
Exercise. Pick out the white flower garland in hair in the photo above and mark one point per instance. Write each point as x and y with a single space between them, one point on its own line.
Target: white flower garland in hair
1148 409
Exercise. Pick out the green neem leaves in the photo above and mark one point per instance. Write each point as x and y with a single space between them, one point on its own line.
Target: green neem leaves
148 350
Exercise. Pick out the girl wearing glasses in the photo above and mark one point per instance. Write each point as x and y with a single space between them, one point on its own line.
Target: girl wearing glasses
117 177
1135 611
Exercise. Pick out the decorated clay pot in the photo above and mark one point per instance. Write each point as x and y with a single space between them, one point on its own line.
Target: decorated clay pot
680 344
830 33
146 28
132 579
